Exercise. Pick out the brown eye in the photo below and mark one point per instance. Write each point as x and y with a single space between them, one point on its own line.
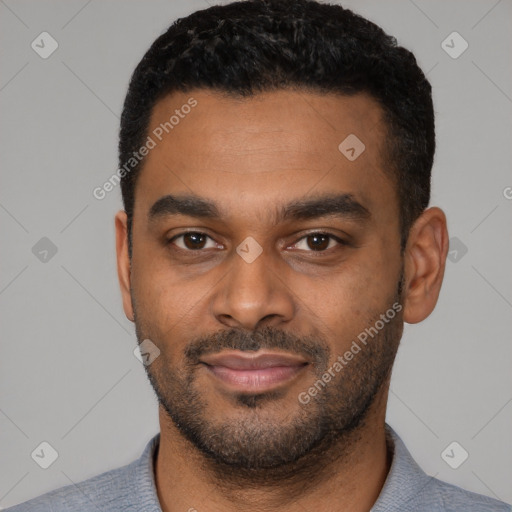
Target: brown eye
318 242
192 241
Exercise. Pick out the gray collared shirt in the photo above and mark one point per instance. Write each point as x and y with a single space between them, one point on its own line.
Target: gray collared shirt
132 487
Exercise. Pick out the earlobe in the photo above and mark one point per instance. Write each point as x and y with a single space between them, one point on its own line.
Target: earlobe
425 260
123 262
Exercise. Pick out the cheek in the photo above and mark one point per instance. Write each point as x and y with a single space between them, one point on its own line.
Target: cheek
346 302
156 300
168 308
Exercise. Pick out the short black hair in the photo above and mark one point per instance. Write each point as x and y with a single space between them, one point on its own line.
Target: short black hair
253 46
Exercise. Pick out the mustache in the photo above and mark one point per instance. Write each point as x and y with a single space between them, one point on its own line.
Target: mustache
312 348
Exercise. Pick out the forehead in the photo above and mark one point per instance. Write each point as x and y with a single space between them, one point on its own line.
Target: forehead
265 148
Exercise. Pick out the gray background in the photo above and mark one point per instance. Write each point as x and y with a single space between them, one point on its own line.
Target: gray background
68 375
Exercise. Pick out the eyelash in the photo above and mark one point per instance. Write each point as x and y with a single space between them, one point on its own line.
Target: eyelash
340 241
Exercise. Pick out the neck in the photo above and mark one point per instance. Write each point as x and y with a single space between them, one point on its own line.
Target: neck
348 477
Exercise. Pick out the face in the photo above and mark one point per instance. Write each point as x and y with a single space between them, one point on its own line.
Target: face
263 252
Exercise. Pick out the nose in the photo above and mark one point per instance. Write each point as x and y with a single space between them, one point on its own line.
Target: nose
253 295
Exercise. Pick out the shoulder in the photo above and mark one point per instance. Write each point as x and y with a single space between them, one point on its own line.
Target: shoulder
130 487
91 493
409 488
442 496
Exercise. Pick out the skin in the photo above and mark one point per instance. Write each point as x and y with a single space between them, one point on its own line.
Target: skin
249 156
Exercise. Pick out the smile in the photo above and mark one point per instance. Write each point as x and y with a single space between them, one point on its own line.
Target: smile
253 372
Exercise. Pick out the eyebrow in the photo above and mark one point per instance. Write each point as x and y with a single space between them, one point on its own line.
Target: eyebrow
339 205
331 205
189 205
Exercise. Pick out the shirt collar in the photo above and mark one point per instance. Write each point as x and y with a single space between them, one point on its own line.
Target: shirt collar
144 488
404 482
405 479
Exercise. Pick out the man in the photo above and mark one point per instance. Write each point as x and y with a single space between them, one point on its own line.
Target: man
275 158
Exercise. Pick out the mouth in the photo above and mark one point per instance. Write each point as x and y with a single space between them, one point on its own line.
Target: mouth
254 372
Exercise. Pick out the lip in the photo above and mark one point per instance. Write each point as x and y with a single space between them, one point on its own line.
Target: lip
255 371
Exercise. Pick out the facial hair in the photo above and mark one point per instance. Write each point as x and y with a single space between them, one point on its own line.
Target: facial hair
257 447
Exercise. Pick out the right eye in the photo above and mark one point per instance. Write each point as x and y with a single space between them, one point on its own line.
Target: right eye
192 241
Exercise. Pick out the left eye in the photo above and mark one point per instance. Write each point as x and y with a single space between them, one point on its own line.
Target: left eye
193 241
317 242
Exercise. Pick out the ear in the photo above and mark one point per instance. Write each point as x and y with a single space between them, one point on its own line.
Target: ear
123 262
425 260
